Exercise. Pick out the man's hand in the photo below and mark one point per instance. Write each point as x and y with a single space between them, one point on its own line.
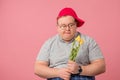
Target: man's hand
73 67
64 73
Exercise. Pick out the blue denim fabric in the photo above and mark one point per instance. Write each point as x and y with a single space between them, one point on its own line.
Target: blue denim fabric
76 77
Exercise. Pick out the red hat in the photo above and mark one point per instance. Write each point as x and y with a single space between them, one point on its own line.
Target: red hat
71 12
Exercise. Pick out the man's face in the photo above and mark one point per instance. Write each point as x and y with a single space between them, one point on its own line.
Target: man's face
67 27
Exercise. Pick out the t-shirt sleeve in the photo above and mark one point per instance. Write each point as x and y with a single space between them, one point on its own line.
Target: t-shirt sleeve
94 51
43 54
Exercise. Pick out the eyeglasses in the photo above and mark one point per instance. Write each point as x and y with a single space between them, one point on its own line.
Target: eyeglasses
70 25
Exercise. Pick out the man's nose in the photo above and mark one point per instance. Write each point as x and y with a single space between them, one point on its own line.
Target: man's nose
67 28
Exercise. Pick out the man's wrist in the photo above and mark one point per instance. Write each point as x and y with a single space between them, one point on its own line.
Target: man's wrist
80 70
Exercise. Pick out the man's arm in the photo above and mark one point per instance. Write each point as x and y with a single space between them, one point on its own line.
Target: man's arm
94 68
43 70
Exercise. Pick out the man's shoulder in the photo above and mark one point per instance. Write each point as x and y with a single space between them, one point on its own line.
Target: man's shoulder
52 39
86 38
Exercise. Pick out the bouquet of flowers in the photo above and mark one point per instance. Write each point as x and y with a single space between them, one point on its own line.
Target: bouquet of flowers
75 47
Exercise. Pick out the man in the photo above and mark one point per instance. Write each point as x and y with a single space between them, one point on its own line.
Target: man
53 61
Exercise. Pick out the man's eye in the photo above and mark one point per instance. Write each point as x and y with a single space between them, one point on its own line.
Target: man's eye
71 25
63 26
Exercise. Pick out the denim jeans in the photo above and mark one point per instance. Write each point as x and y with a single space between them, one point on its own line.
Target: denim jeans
75 77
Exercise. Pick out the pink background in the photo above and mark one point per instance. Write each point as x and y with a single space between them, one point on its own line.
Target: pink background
26 24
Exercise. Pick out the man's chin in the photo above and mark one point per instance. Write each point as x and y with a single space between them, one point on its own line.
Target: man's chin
67 39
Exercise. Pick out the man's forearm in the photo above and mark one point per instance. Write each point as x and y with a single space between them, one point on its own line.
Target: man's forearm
45 72
94 68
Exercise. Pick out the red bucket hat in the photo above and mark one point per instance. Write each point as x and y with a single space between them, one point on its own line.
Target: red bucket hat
71 12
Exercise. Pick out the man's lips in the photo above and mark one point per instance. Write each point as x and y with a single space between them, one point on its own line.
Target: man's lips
67 32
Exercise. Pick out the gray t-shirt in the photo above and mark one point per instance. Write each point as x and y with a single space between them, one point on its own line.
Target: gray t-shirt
56 52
